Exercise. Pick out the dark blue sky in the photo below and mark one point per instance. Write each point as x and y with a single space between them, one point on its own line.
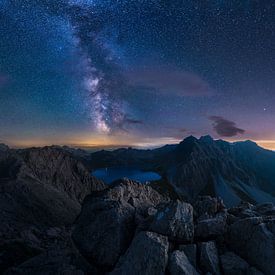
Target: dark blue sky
136 72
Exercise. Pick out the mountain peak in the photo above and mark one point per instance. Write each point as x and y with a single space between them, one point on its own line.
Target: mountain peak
206 139
189 139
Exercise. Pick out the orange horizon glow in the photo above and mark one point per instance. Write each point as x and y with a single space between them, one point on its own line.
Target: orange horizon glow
111 142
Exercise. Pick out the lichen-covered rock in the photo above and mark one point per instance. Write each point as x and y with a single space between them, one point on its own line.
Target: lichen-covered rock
208 205
232 264
180 265
174 220
208 258
140 196
211 227
147 255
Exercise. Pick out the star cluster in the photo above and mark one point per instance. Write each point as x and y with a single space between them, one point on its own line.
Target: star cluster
136 72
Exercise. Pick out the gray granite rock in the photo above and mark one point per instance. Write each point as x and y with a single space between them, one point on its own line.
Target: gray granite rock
190 250
147 255
175 220
180 265
104 231
208 257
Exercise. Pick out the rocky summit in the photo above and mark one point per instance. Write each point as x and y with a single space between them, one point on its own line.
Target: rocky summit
58 219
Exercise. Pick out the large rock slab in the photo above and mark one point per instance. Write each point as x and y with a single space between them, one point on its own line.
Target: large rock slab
254 240
190 250
147 255
180 265
104 231
175 220
208 258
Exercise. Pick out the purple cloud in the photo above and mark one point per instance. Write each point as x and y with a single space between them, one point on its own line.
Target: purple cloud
224 127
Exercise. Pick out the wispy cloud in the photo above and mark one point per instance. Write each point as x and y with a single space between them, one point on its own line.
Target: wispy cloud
169 81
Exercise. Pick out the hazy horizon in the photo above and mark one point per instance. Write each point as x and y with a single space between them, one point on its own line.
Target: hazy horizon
142 146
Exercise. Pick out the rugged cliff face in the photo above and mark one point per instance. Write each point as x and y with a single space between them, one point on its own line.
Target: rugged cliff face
49 176
235 172
40 188
58 168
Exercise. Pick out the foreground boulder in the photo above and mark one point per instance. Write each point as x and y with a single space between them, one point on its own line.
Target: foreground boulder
180 265
108 221
55 261
232 264
254 240
175 220
148 255
104 231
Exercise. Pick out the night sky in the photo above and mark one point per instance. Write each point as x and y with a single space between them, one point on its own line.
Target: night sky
139 73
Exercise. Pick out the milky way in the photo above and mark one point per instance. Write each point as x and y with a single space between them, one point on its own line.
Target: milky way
136 72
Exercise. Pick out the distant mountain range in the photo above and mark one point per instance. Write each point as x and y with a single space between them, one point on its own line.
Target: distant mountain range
234 171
